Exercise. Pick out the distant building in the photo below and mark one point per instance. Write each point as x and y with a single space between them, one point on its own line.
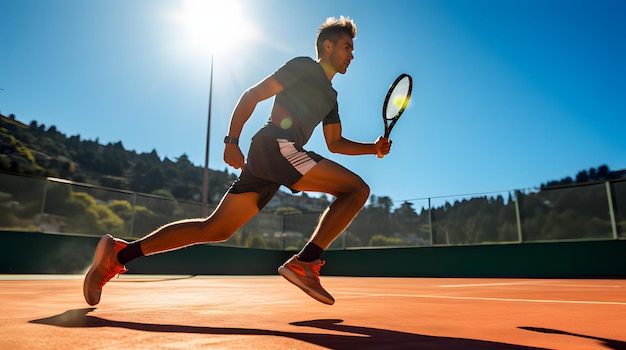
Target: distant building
302 201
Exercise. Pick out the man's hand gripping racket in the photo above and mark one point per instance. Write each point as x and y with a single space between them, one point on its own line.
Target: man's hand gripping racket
396 101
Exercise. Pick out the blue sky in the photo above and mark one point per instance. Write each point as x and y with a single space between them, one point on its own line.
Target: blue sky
507 94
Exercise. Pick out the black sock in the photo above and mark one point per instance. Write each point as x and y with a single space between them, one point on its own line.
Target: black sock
129 253
310 252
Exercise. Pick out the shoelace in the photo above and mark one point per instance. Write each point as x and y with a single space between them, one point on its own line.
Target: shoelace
316 268
116 270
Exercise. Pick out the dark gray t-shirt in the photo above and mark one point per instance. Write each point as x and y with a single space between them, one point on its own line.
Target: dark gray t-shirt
307 99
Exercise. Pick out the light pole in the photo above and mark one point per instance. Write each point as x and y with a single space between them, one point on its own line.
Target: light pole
205 179
204 22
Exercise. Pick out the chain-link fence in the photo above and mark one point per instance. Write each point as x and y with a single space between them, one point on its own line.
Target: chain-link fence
581 212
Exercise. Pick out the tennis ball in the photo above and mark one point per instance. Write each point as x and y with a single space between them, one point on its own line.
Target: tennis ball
286 123
399 101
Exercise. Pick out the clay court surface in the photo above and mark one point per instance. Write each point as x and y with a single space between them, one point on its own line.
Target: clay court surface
185 312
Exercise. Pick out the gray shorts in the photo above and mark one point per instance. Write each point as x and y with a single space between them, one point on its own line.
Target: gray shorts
271 163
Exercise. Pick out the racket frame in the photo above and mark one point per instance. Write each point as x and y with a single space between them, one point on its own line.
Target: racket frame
389 123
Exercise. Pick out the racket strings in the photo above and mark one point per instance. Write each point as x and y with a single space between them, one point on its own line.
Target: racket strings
398 99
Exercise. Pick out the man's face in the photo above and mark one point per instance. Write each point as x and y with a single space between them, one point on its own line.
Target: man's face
341 53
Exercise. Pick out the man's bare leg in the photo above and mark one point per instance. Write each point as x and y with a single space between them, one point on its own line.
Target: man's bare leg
231 214
351 194
112 254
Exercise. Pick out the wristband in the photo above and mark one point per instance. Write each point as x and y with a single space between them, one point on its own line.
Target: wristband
230 139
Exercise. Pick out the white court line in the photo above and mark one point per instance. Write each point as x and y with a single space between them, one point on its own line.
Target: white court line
487 284
488 299
529 283
583 285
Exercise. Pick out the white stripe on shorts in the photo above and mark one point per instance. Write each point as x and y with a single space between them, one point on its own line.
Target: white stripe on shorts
300 160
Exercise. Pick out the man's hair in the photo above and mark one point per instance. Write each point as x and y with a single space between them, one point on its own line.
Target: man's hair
332 29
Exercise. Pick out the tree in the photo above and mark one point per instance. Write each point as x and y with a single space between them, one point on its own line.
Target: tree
404 218
114 159
147 177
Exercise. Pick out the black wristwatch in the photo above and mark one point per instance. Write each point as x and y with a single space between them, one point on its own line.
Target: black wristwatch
230 139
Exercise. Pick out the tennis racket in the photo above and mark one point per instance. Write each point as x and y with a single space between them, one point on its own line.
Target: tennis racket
396 101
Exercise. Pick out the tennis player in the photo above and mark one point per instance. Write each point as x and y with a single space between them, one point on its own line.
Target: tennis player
304 98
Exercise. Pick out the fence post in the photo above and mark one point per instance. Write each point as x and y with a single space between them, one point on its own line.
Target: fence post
518 216
43 202
609 197
430 223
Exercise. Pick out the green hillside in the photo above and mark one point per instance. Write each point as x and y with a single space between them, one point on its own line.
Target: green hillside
38 150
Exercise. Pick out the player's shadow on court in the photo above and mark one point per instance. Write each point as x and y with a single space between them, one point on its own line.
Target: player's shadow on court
356 337
608 343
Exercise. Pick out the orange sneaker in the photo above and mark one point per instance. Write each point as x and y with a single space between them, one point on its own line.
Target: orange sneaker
305 275
105 266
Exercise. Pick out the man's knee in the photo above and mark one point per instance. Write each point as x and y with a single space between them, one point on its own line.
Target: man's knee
365 189
361 191
212 230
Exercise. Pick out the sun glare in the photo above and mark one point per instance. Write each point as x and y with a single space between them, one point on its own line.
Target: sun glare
214 26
